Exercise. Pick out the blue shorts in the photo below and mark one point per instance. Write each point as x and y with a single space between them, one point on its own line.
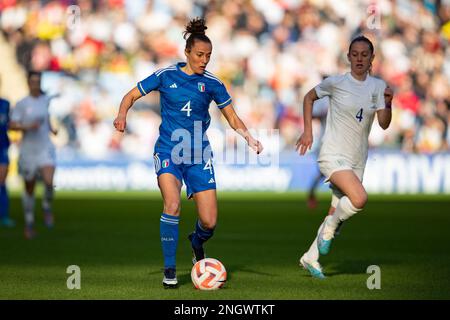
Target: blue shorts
197 177
4 159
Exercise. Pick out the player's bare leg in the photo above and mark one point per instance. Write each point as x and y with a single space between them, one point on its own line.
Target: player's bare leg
3 173
28 207
206 202
170 188
353 201
47 173
351 186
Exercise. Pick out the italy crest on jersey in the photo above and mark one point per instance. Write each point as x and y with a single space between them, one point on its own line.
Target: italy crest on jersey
165 163
201 87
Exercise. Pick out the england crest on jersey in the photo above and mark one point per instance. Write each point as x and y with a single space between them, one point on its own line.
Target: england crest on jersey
374 98
201 87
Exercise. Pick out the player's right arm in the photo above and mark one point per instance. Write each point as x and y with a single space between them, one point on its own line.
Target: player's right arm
120 123
306 139
142 88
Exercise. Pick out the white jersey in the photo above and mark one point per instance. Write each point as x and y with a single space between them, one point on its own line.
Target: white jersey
320 107
27 111
353 104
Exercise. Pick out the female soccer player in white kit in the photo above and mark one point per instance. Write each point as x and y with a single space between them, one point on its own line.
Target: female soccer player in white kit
37 152
355 97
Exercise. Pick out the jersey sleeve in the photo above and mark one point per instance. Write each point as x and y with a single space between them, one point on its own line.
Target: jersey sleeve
380 103
325 88
150 83
17 113
221 96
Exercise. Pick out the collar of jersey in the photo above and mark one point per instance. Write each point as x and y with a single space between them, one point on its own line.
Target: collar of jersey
184 74
349 75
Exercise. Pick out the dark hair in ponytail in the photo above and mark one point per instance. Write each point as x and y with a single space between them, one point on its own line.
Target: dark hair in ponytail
195 30
362 39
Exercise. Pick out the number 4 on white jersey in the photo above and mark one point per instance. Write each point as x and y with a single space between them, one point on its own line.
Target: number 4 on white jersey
187 108
359 115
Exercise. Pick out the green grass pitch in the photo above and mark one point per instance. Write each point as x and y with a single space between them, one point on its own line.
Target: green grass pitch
114 239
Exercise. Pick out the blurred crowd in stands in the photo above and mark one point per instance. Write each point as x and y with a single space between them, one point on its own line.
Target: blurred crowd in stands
269 53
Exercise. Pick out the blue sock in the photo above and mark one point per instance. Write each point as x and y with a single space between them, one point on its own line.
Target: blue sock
4 202
168 230
201 235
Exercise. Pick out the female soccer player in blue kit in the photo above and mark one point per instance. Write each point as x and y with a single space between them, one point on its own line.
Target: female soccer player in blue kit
4 162
182 151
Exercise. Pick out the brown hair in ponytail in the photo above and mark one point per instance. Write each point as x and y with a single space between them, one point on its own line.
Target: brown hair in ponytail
195 30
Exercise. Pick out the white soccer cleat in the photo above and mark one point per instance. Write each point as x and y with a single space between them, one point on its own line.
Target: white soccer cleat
314 267
170 278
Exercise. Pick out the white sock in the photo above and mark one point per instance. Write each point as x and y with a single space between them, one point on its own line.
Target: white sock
334 200
344 210
313 253
47 199
28 208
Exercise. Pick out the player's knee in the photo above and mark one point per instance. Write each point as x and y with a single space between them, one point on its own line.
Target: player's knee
48 181
359 200
29 190
172 207
209 223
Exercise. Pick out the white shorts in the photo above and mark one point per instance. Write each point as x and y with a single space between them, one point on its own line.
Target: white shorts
30 163
332 165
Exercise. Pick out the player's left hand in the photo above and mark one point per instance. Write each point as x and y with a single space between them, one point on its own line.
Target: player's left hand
388 95
255 145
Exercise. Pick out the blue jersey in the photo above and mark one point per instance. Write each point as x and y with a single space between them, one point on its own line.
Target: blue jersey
185 101
4 120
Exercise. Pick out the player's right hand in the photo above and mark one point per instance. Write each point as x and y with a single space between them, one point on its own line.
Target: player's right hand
304 143
120 123
255 145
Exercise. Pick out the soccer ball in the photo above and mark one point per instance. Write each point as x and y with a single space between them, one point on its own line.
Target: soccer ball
208 274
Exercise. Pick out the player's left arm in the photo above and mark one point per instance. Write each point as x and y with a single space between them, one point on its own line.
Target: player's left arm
385 115
52 129
238 125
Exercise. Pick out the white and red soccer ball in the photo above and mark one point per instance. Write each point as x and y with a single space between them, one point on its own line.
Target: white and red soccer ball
208 274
